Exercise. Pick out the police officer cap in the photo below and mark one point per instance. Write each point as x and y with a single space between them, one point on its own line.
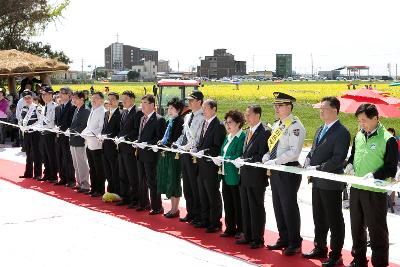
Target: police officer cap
47 89
26 92
196 95
282 98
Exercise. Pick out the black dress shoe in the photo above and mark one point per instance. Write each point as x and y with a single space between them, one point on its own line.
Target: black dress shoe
132 206
201 225
333 262
60 183
70 185
96 194
242 242
52 181
37 178
121 203
43 179
195 221
25 176
227 234
171 215
290 251
143 208
90 192
155 212
256 244
82 190
186 219
277 246
316 253
238 235
355 264
213 228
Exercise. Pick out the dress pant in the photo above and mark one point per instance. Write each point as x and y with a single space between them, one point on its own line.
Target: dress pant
190 186
96 170
232 208
369 209
210 196
48 153
110 161
147 182
253 212
284 188
66 169
328 215
80 161
128 178
33 165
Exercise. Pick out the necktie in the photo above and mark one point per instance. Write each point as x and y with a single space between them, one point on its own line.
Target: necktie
124 115
143 123
110 115
249 136
322 133
205 125
45 111
274 150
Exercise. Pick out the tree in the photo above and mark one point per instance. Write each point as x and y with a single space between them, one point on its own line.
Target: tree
100 72
133 75
22 19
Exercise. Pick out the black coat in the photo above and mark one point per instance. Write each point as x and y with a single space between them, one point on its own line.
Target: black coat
176 130
63 118
254 152
152 132
329 155
111 128
129 128
78 124
213 138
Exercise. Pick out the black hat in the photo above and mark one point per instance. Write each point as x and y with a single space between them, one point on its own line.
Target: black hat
196 95
282 98
26 92
47 89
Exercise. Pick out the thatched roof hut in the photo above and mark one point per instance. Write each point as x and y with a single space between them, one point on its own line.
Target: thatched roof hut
16 63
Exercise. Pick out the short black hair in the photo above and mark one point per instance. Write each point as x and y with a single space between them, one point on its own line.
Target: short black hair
116 95
392 130
236 115
100 94
333 102
211 103
149 98
255 108
129 94
79 94
368 109
177 104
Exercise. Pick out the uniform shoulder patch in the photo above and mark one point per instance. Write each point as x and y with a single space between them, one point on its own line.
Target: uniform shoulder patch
296 132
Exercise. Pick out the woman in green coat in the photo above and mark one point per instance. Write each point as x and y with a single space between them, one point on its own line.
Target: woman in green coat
232 149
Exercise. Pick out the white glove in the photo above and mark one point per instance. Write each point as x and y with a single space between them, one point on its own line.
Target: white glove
239 162
200 154
349 170
270 162
119 140
311 168
23 129
100 137
57 128
154 148
306 163
265 158
67 133
185 147
142 145
369 176
397 177
217 160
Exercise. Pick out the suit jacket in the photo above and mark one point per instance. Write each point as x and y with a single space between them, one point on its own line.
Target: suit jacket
254 152
329 154
64 116
152 132
176 130
211 141
234 151
77 125
129 128
111 128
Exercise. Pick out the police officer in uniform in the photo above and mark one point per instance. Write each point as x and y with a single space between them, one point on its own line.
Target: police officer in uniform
285 145
29 118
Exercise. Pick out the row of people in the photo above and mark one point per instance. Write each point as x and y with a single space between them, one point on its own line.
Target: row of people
140 175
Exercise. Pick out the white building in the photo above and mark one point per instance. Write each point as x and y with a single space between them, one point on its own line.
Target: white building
147 71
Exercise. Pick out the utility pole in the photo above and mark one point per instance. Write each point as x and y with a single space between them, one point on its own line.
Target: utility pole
396 72
312 67
253 63
178 65
82 71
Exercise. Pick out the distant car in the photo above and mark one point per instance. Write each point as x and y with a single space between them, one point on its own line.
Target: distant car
290 78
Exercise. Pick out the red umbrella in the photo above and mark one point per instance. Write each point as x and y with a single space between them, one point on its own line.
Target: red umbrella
365 95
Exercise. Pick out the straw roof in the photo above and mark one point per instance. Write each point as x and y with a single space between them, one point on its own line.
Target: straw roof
14 62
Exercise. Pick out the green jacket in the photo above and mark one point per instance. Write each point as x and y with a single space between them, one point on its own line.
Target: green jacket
369 154
235 150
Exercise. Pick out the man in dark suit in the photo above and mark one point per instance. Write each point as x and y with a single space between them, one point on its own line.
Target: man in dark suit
328 153
129 131
152 128
64 113
253 181
211 139
111 126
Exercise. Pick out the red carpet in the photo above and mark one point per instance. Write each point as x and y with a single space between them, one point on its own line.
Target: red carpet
10 171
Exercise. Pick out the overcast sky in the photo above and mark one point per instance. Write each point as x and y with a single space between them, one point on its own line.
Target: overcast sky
336 33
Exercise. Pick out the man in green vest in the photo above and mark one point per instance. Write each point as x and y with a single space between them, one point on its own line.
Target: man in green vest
373 156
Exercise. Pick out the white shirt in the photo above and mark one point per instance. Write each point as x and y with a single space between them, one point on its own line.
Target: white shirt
230 139
94 126
193 132
330 124
20 104
48 121
254 128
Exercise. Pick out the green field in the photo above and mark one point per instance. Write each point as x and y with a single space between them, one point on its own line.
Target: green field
261 93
